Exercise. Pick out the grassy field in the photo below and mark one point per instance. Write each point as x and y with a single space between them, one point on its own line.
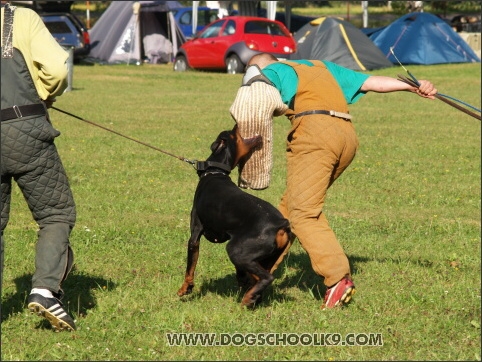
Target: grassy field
407 212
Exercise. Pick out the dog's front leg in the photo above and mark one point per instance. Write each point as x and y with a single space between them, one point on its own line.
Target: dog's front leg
192 257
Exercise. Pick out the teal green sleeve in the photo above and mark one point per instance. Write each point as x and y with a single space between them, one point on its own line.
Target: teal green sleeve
284 78
349 81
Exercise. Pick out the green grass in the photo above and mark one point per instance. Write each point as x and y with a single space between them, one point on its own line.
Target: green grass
407 212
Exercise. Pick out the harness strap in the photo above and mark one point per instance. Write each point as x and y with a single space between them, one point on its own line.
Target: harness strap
23 111
341 115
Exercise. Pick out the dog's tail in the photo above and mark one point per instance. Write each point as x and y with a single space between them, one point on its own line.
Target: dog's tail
284 239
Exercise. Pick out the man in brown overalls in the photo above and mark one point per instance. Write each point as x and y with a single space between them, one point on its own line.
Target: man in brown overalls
321 144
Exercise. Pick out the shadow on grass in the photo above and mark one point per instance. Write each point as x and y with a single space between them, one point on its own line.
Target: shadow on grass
78 299
294 271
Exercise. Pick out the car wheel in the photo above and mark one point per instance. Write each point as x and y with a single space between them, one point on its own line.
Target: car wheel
180 64
234 65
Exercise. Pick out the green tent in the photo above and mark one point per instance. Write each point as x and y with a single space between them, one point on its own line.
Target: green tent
338 41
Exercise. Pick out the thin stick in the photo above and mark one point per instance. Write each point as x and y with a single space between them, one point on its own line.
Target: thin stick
442 98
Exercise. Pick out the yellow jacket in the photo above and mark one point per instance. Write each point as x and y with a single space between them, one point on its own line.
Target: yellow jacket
45 58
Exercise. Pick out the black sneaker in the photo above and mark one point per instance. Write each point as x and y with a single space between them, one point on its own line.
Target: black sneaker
52 310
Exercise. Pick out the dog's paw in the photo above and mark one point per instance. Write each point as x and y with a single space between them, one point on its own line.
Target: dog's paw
185 289
250 301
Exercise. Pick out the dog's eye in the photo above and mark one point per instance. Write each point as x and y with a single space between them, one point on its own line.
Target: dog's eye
218 145
214 146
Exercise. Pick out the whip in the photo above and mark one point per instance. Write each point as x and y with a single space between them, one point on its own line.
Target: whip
443 97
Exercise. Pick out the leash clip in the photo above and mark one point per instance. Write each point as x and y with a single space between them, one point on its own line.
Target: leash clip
200 165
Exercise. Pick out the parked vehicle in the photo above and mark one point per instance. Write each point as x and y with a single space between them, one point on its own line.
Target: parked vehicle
69 31
183 17
228 44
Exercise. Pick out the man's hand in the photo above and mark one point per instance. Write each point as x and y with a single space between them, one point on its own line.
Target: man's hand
49 102
426 89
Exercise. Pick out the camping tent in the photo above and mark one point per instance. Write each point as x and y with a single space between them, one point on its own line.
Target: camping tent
336 40
422 38
133 32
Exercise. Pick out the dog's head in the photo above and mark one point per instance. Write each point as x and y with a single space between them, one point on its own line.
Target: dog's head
231 149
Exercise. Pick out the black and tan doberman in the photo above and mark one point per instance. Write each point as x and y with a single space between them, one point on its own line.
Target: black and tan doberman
256 230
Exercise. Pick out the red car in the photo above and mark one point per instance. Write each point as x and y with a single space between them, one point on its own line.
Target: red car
228 44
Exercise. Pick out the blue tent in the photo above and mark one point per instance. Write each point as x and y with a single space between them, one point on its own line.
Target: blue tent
423 38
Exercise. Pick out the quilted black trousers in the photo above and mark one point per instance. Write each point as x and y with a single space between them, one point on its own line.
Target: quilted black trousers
30 158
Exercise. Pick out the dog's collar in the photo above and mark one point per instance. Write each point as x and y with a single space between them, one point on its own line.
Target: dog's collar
214 172
216 168
204 165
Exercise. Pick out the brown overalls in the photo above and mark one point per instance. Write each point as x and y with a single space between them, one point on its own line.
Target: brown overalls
319 148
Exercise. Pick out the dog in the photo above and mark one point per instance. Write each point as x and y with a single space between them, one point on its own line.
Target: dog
257 232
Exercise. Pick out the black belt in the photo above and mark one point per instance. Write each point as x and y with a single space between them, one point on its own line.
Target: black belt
319 111
23 111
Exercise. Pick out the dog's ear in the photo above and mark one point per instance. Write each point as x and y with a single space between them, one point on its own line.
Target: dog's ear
245 146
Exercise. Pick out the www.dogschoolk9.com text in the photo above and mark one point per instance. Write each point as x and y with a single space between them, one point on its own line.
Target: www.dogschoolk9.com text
274 339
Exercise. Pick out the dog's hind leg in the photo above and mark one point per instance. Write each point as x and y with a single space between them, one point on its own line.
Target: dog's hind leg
245 280
247 255
264 279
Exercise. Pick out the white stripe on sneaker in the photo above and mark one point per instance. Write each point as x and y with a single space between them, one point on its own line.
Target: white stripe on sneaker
328 301
332 289
57 311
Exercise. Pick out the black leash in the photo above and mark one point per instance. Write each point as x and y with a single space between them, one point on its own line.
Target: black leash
192 162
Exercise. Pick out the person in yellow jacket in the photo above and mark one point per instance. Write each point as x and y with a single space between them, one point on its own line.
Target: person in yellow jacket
321 144
34 72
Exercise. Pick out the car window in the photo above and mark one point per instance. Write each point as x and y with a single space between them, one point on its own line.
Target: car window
212 31
207 16
262 27
185 18
230 28
76 22
58 27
